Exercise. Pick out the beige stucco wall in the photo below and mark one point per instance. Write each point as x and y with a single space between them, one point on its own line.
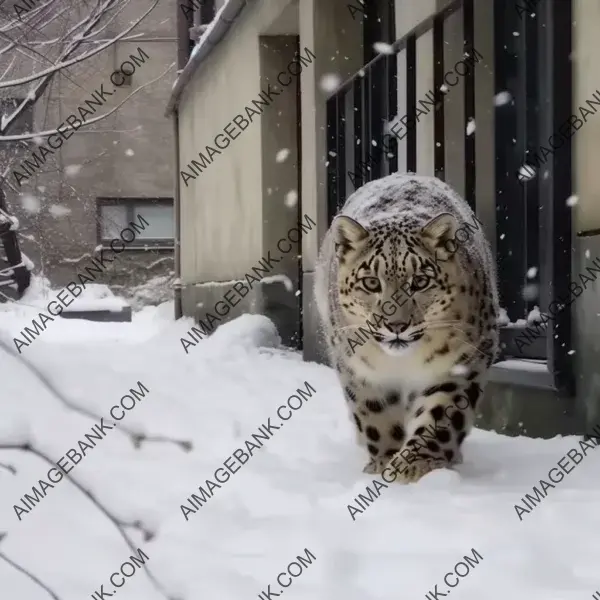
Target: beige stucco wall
221 209
336 38
586 142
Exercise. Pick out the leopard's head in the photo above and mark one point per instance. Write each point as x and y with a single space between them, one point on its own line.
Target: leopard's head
397 281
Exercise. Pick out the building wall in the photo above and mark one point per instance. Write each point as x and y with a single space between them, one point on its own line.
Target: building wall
127 154
586 226
336 38
233 209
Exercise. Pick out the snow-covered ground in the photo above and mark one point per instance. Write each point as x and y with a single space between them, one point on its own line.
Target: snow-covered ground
290 497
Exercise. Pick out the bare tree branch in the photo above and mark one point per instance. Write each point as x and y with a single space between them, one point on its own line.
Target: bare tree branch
16 22
36 93
29 136
9 468
30 575
119 524
77 59
136 437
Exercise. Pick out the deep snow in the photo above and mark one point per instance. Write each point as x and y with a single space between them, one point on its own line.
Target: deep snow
291 495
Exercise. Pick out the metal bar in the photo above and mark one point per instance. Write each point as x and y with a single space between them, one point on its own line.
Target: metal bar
411 103
423 27
439 137
332 159
358 125
510 146
469 87
560 361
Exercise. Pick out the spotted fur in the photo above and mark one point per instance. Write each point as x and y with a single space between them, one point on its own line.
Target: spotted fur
409 310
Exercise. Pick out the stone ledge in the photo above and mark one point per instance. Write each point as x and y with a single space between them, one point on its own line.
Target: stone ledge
106 316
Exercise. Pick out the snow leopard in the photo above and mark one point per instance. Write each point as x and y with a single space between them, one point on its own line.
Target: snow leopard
407 295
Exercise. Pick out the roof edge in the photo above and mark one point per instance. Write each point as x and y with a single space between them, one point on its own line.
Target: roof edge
216 31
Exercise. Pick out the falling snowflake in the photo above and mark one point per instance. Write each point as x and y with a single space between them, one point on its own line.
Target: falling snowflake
502 98
30 204
332 153
58 210
444 88
129 152
531 292
572 200
459 370
516 33
72 170
291 198
526 172
571 352
361 73
38 140
330 82
282 155
502 236
470 126
383 48
587 253
531 273
41 188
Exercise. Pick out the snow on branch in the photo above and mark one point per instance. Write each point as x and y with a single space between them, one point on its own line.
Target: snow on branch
72 61
29 136
74 49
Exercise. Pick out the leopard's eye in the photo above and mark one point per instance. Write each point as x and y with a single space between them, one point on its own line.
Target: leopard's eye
420 282
371 284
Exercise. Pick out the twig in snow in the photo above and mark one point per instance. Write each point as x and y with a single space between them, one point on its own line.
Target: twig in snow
136 437
118 523
9 468
28 574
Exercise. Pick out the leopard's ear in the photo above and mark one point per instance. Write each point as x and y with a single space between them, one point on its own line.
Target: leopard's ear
348 234
438 235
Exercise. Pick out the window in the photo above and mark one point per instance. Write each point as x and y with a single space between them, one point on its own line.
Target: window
115 214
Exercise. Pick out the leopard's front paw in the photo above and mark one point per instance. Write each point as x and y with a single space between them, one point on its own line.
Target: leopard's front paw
374 466
411 473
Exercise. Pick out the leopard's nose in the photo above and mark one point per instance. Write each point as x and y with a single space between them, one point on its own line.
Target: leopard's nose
398 327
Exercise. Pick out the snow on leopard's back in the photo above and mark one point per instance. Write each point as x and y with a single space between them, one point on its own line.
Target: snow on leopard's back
405 195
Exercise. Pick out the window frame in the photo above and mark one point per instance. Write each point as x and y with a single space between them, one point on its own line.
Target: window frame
130 204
